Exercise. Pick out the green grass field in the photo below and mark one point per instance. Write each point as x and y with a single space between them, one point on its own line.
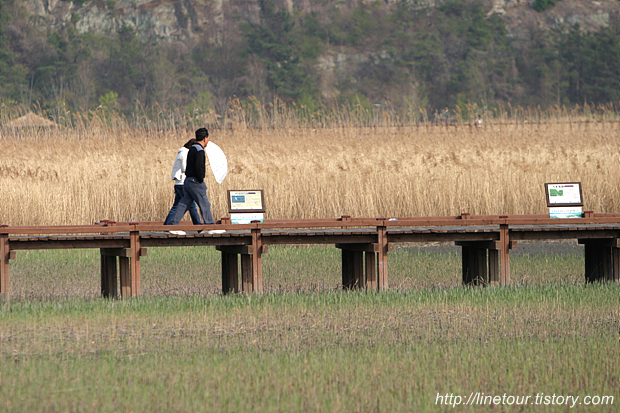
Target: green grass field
305 345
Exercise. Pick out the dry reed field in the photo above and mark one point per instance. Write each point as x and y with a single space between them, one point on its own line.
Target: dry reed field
82 174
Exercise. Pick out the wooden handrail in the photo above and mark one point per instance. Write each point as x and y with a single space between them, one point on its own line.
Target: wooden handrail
110 227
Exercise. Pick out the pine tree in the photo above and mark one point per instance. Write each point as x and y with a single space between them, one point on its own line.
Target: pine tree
12 75
272 43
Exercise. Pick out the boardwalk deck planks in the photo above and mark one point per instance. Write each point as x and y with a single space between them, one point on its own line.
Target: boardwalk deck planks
365 243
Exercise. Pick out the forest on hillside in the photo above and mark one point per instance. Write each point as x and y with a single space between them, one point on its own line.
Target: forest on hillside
431 58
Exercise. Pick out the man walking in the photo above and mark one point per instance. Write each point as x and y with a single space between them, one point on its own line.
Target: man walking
195 186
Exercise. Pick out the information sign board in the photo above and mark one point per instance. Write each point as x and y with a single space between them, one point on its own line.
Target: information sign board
564 194
246 201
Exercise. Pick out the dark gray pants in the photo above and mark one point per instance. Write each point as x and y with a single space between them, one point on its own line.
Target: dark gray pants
194 192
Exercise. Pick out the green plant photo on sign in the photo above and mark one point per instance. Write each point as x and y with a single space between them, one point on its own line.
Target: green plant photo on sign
556 192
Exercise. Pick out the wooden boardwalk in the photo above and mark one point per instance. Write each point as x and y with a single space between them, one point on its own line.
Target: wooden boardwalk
365 243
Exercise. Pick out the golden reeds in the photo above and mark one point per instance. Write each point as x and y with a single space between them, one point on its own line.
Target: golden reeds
102 166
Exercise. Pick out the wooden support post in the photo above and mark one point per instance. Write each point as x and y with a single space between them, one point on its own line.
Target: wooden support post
602 259
109 275
504 254
474 263
5 285
348 277
124 268
358 270
359 264
615 257
134 238
465 265
590 265
257 261
353 275
481 261
233 273
494 271
230 272
250 280
371 271
103 273
599 259
382 267
246 273
607 264
482 269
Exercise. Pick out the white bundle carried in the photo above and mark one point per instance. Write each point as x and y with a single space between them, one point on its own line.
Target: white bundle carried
218 161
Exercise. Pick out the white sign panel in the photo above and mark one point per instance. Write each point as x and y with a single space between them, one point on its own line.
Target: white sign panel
565 212
246 218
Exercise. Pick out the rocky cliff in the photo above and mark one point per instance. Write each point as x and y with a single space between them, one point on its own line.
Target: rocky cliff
187 20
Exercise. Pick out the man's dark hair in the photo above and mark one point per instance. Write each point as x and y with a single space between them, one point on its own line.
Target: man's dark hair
201 134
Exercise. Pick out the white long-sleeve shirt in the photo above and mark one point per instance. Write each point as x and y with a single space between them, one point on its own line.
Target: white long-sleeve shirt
178 168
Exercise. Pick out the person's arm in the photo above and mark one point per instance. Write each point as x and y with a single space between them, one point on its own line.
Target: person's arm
178 168
200 165
183 161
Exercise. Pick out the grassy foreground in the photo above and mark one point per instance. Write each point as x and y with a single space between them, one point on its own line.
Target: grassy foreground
305 345
329 351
